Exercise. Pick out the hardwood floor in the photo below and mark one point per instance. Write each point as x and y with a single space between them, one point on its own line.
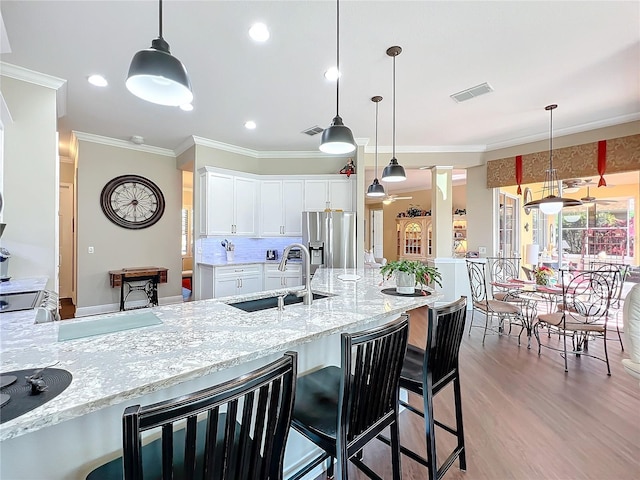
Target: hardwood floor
526 419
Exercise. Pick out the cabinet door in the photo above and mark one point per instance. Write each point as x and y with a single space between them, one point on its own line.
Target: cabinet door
292 206
245 200
315 195
250 284
271 198
226 286
340 194
273 282
291 281
220 215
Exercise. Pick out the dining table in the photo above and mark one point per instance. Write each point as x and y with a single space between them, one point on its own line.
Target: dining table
530 296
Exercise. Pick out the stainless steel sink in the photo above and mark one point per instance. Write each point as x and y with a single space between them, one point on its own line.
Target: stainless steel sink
271 302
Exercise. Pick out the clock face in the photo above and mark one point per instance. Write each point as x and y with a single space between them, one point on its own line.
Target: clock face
132 201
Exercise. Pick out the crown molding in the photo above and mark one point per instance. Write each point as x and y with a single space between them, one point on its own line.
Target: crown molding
429 149
113 142
31 76
247 152
610 122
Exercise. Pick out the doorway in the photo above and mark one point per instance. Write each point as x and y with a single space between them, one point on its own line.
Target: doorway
66 260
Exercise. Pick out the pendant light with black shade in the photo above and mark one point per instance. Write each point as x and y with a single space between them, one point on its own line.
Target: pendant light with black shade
157 76
375 189
550 204
394 172
337 139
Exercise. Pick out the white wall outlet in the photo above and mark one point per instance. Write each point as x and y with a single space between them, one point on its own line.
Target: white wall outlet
90 250
482 249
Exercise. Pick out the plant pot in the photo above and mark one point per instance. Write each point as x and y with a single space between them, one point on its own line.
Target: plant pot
405 283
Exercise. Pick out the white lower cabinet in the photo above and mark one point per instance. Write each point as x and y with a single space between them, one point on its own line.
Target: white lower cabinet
275 279
237 280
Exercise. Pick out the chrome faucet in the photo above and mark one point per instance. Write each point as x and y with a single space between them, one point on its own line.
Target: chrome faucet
306 294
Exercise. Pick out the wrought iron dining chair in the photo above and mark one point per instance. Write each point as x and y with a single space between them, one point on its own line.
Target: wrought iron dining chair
503 270
620 272
241 437
485 304
425 372
582 315
341 409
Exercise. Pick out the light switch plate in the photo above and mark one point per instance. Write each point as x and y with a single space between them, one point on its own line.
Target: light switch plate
482 249
90 250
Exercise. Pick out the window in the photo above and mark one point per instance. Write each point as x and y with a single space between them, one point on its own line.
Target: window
602 228
508 225
185 224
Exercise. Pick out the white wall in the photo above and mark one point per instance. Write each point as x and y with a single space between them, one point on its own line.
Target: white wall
30 177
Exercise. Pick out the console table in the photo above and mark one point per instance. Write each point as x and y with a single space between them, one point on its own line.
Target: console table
131 277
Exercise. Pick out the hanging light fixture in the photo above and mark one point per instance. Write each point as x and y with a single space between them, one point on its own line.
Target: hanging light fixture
157 76
337 139
394 172
550 204
375 189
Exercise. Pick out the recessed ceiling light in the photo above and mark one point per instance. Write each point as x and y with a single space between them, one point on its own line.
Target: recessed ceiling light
137 139
251 125
187 107
98 80
259 32
332 74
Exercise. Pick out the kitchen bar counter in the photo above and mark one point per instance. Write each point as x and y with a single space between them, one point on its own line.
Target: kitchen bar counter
21 285
197 344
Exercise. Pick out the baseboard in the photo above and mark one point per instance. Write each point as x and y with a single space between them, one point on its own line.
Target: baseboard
115 307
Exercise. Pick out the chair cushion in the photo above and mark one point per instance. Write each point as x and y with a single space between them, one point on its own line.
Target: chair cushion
497 306
411 375
316 405
152 455
573 322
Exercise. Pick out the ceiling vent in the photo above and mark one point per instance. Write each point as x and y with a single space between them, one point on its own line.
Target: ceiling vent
472 92
313 131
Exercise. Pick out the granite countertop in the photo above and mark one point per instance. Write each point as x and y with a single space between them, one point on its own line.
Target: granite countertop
20 285
194 339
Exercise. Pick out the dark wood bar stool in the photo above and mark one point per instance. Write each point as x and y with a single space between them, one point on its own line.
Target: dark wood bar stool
426 372
341 409
236 430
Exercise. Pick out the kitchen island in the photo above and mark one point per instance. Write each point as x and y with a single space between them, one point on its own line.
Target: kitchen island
196 345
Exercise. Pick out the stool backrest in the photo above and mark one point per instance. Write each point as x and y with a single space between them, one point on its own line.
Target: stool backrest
444 336
235 430
371 366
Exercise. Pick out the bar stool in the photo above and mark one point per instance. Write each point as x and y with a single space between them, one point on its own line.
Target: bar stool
242 437
426 372
341 409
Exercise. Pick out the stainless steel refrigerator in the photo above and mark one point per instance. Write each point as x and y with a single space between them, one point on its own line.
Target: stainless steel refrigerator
331 239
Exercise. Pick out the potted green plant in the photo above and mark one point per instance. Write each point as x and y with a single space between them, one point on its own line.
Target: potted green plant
409 274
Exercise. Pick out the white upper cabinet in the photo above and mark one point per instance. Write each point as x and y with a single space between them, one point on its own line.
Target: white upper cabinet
228 204
281 204
336 194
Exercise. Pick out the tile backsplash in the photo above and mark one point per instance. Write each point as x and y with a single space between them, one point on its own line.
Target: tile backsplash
246 249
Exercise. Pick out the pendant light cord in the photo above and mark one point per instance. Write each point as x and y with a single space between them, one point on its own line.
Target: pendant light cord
377 139
337 56
160 20
394 107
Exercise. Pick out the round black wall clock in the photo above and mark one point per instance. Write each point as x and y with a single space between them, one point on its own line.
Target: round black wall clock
132 201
